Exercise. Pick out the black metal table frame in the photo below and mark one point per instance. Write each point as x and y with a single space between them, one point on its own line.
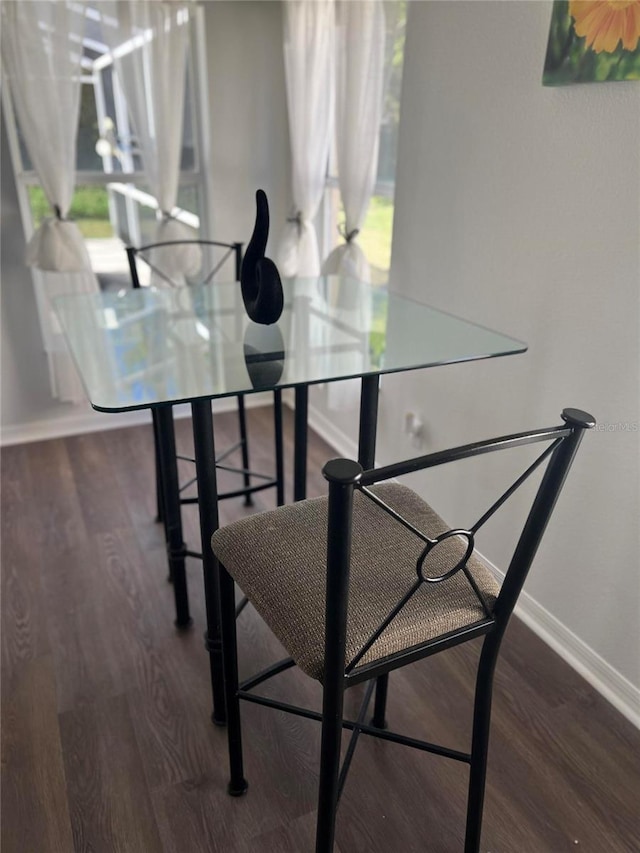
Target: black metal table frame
204 444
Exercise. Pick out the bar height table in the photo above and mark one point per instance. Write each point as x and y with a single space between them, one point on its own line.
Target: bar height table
149 348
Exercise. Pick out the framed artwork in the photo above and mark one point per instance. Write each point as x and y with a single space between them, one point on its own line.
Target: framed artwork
593 41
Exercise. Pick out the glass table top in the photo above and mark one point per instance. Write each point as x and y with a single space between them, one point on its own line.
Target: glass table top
140 348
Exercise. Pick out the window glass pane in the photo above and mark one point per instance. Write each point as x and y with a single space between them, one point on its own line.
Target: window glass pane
120 132
189 199
107 83
188 157
90 209
122 224
27 165
136 221
87 158
88 133
375 237
148 223
39 205
115 128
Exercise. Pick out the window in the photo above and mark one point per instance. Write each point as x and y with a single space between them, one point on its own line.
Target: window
112 202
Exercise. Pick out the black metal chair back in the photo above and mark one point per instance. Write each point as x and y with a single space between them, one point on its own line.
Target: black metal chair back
174 263
556 458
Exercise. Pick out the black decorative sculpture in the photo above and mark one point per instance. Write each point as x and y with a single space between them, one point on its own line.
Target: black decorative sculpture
259 277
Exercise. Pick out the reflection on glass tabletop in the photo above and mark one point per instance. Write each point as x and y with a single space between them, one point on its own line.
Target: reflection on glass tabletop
137 348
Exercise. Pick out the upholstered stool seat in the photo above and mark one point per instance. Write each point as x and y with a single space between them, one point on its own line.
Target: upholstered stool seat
278 559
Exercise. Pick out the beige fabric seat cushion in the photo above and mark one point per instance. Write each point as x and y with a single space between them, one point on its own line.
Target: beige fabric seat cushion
278 558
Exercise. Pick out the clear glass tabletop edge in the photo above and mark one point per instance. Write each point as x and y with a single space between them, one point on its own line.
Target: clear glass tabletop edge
139 349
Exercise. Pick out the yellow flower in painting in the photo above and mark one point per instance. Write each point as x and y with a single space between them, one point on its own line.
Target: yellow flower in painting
605 23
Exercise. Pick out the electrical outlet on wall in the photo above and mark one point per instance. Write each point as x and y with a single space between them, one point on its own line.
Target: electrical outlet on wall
414 428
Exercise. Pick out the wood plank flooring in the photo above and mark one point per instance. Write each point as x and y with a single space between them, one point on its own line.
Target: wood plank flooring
106 738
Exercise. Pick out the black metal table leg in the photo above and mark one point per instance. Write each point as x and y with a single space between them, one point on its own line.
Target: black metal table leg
366 457
205 454
277 423
300 447
368 421
244 448
176 550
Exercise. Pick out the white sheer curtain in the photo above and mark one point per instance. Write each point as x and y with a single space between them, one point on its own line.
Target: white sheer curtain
41 53
360 66
149 42
309 70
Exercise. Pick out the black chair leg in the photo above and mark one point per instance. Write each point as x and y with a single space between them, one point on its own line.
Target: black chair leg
380 705
341 475
237 783
244 448
480 742
332 706
277 419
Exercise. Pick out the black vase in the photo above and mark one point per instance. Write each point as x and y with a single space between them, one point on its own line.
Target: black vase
264 355
259 277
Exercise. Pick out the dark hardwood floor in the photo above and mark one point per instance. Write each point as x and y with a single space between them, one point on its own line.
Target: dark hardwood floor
106 739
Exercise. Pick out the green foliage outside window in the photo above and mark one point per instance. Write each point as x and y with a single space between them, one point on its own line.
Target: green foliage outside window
375 237
89 208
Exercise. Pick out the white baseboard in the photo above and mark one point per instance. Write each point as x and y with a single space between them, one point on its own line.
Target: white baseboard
327 430
611 684
78 423
73 424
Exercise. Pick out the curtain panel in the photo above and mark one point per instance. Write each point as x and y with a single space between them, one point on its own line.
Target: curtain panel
309 30
149 42
41 54
360 65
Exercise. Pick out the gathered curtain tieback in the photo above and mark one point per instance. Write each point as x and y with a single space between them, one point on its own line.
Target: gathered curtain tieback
352 235
58 213
297 219
348 236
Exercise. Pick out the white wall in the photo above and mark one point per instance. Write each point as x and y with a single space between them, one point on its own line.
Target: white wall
517 206
248 116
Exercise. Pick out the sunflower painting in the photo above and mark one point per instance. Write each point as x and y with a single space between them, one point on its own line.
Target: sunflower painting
593 41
